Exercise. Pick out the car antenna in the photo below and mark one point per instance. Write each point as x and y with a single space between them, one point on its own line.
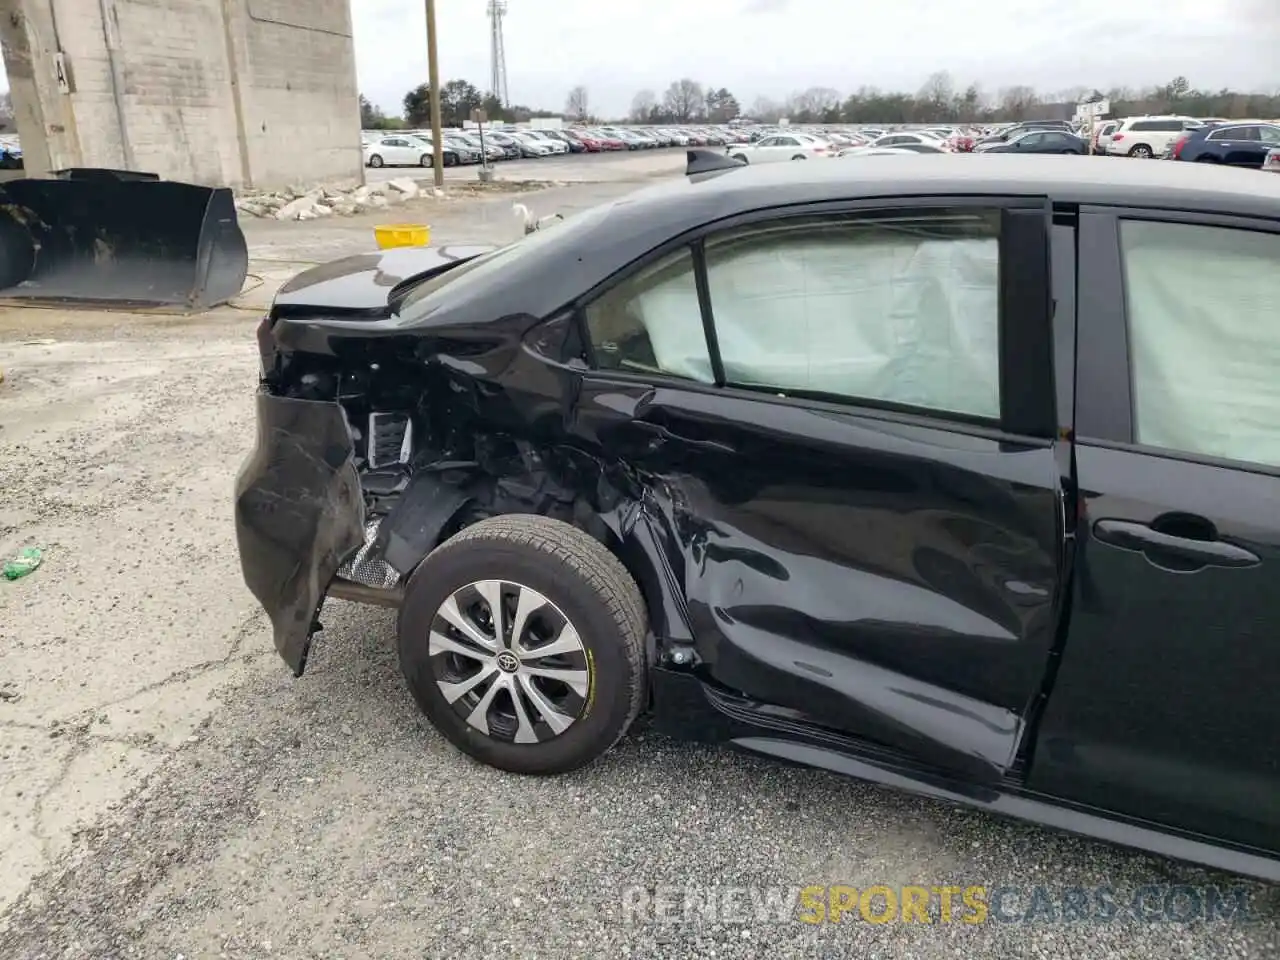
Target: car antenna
708 161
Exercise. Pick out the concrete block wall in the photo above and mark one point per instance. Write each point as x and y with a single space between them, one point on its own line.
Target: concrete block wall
238 93
298 72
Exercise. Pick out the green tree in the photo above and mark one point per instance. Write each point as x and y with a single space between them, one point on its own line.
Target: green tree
494 110
417 106
457 99
722 106
371 115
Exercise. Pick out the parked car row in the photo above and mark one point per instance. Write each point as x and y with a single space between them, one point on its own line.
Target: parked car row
1237 143
1234 143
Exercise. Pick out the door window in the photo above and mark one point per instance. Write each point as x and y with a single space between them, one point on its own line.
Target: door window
1269 135
652 323
1203 309
899 309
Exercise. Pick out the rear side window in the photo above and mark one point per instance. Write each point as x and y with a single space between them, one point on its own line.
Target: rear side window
1203 308
652 323
900 309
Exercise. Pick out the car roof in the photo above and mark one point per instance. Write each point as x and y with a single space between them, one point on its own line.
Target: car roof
1067 179
592 246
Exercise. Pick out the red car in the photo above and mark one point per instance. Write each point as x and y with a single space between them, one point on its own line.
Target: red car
608 142
589 142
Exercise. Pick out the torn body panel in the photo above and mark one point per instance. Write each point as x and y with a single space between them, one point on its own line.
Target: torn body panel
299 514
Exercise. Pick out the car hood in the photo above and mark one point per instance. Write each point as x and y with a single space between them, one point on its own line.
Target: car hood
364 283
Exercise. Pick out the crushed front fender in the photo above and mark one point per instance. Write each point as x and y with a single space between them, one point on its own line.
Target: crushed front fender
299 514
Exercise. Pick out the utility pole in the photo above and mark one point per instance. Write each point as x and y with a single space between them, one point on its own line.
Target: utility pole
433 81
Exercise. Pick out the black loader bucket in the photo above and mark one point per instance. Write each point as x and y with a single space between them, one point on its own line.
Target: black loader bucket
119 238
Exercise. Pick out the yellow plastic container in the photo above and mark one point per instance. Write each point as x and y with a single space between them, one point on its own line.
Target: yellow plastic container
402 235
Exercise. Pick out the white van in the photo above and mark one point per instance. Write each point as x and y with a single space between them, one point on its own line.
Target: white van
1148 137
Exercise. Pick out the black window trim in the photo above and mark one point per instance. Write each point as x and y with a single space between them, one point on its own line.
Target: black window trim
1104 378
1027 402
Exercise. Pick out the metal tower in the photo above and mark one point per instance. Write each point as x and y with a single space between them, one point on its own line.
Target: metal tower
497 9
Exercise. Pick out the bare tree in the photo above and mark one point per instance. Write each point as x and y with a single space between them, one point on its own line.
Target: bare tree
938 93
683 100
1016 101
814 102
766 110
642 105
577 106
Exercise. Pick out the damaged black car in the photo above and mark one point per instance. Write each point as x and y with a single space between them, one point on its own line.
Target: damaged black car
957 474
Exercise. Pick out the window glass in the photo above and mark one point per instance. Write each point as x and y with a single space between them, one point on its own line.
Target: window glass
900 309
1269 135
651 322
1204 332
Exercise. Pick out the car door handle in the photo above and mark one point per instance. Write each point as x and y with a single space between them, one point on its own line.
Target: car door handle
1144 539
661 433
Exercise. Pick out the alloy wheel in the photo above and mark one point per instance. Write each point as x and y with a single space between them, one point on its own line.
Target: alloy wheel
509 662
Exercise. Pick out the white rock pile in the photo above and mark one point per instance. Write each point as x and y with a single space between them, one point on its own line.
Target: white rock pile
342 201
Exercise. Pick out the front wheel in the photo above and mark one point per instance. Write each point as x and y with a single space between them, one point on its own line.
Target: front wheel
523 641
375 161
425 160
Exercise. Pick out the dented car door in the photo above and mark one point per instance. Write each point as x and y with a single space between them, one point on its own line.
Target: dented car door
865 521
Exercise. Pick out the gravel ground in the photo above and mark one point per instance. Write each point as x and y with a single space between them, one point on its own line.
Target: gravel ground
171 791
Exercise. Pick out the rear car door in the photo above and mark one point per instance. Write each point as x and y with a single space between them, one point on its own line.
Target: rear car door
1241 146
1165 702
845 422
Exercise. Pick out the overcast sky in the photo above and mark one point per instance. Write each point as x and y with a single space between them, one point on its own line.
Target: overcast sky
776 47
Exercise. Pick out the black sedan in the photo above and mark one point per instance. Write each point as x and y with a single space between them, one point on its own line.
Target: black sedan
1039 141
958 476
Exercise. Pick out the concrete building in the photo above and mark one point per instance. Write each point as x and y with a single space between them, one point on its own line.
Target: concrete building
243 93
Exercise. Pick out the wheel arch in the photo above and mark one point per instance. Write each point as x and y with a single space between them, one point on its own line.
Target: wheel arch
431 511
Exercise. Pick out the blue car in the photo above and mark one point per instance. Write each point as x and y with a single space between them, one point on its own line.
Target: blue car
1233 144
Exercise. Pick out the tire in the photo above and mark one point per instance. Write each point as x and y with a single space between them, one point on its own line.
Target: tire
584 585
799 156
375 161
426 160
450 159
1141 152
742 157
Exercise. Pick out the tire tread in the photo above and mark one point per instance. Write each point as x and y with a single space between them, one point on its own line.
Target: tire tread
598 568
